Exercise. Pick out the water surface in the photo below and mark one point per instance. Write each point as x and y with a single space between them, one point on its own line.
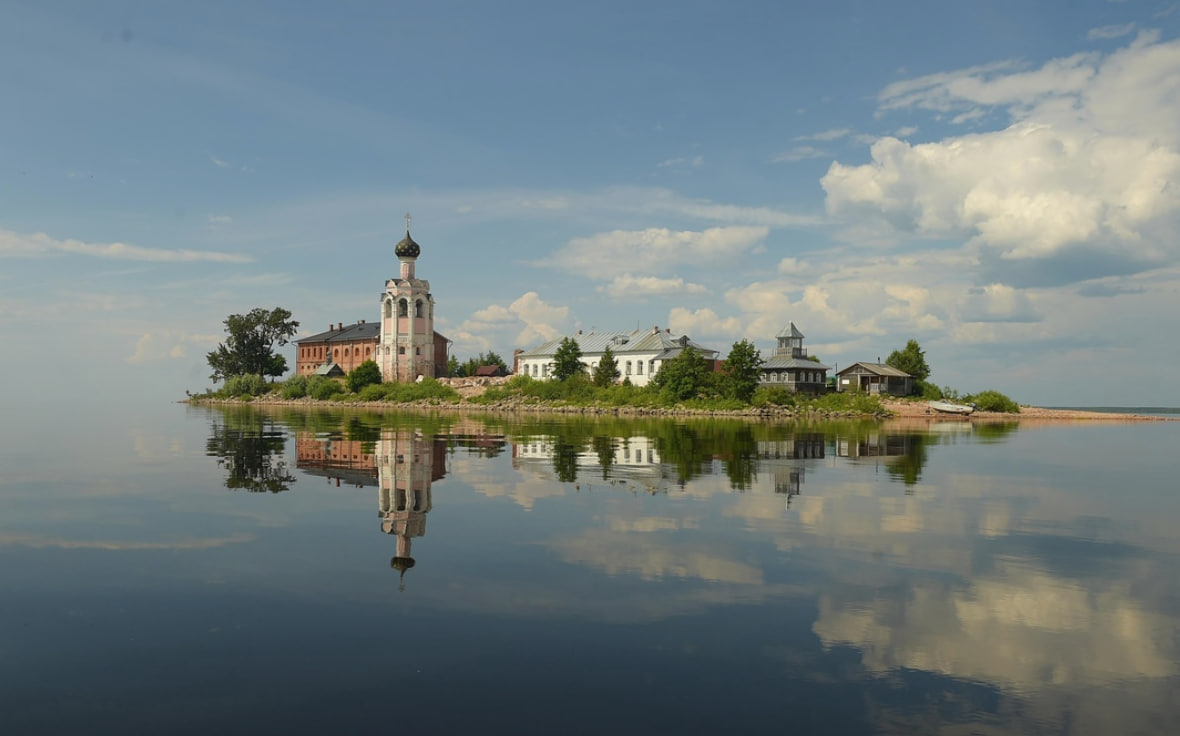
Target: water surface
200 569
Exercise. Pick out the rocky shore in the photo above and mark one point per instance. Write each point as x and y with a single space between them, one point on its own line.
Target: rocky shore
911 411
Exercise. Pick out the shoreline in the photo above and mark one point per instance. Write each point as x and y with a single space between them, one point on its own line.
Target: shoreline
909 413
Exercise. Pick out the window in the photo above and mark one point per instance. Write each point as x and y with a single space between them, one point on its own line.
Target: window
628 367
388 309
418 308
417 351
336 353
368 351
639 368
534 370
401 349
403 308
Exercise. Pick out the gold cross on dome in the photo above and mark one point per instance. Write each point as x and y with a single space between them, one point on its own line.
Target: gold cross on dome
408 218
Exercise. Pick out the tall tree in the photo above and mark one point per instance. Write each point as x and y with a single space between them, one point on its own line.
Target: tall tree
910 359
249 349
682 377
365 374
607 370
742 368
567 361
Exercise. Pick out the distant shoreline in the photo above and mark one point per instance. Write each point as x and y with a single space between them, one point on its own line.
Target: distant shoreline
912 411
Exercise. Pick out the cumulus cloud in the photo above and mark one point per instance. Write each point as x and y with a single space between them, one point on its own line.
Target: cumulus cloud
637 287
40 245
1081 177
681 162
619 252
998 303
529 318
703 322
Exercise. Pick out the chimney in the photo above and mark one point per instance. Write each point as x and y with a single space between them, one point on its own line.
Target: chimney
669 330
655 329
330 328
339 325
579 332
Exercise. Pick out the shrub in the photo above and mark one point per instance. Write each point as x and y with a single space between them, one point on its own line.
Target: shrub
372 392
365 374
773 396
322 388
426 389
927 390
250 385
295 387
993 401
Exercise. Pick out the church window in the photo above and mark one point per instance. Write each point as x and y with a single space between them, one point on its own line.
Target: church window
345 352
388 309
336 353
417 351
418 308
401 349
368 351
403 308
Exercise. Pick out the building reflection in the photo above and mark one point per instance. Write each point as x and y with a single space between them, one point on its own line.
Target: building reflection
408 463
782 458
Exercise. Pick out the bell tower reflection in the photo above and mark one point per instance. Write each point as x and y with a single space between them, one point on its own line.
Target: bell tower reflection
407 464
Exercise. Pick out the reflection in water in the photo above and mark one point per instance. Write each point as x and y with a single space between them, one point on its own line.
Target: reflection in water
999 605
250 446
407 464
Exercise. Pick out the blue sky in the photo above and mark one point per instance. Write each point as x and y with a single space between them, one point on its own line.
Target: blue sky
1000 181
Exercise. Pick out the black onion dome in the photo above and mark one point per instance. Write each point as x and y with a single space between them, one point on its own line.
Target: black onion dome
407 248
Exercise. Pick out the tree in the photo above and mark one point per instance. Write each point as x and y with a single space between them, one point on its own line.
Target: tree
469 368
742 368
453 367
567 361
607 370
682 377
365 374
249 349
276 367
911 359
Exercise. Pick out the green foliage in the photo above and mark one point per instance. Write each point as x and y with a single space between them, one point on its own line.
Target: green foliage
323 388
295 387
249 349
468 368
428 389
607 370
742 369
365 374
682 377
251 385
927 390
849 401
910 359
773 396
372 392
993 401
567 361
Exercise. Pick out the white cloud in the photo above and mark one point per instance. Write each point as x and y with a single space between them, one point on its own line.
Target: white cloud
529 318
692 161
798 153
628 286
1111 31
1080 179
704 322
906 131
219 219
40 244
220 163
998 303
159 345
612 254
826 135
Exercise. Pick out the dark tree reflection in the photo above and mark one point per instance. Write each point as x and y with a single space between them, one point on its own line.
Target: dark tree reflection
250 447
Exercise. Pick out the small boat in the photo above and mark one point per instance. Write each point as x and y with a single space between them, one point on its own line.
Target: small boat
947 407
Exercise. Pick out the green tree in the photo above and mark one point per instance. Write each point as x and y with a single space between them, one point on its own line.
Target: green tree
473 364
682 377
742 368
276 367
607 370
453 367
567 361
910 359
365 374
249 349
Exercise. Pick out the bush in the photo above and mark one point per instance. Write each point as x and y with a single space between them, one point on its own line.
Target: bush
773 396
322 388
424 390
927 390
372 392
245 386
993 401
295 387
365 374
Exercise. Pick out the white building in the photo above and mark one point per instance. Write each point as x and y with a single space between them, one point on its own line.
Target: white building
790 368
639 354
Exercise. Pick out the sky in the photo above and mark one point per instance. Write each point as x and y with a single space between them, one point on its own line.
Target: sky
999 181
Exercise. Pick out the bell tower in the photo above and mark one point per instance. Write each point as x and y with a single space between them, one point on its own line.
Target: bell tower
407 319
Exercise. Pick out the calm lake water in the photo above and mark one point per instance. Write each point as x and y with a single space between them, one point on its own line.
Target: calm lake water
199 570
